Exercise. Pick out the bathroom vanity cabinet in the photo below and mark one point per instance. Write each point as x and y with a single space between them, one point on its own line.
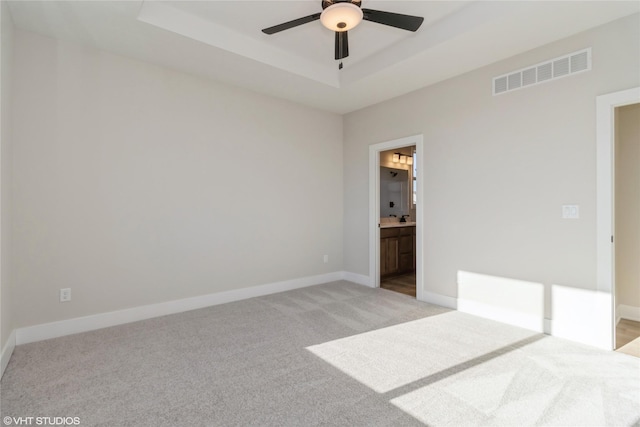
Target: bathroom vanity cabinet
397 250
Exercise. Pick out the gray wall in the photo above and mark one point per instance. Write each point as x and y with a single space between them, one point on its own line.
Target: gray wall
498 169
6 53
136 184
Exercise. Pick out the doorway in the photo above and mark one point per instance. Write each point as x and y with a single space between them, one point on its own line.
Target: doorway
406 261
398 174
608 310
626 247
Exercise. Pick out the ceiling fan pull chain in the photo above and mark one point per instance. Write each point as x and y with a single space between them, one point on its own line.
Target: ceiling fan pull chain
340 49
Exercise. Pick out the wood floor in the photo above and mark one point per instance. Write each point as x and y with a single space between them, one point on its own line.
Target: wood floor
628 337
404 284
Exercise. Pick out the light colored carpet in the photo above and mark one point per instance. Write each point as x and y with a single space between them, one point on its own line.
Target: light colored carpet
334 354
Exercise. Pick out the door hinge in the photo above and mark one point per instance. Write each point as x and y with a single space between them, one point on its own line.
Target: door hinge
611 239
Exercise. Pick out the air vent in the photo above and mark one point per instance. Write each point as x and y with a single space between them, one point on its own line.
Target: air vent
556 68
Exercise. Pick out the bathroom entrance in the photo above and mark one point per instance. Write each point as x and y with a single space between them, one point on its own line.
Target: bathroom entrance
395 211
398 174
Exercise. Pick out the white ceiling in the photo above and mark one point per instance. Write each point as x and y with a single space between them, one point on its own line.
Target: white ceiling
222 40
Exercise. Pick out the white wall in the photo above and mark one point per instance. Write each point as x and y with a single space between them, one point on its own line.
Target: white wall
136 184
6 53
627 209
498 169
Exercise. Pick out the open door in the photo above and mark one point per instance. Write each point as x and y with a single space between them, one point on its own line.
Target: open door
604 334
626 243
375 211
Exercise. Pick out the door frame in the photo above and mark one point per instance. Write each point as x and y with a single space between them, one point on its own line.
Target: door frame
605 169
374 208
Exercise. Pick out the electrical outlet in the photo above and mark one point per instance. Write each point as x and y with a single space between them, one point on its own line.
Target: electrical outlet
326 259
65 295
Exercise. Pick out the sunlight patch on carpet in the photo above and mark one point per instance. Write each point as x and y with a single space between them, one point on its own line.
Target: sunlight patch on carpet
389 358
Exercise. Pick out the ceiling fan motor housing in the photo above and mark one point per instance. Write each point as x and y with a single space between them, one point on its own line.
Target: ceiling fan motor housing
327 3
341 15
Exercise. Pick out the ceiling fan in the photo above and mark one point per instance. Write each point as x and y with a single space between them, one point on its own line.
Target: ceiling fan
343 15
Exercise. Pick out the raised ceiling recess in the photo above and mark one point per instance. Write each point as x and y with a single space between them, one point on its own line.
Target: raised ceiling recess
222 40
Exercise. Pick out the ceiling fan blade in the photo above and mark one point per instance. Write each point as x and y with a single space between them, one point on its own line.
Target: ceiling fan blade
291 24
405 22
342 45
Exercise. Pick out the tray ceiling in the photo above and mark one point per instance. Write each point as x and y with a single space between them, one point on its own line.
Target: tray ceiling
222 40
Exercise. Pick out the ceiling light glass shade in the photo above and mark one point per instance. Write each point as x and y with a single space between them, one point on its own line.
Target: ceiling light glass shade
409 160
396 158
341 16
403 159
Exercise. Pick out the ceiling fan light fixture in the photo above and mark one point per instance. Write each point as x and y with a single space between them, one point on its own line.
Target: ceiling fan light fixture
341 17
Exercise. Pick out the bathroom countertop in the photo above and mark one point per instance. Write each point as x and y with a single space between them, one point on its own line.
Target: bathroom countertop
397 224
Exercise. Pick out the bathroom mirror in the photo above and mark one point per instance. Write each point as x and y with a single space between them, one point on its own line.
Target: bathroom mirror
394 192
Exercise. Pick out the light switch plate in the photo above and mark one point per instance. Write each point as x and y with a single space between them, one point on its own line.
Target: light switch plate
65 295
570 211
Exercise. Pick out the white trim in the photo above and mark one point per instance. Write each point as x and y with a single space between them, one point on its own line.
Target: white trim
113 318
488 311
7 351
374 209
628 312
605 126
374 216
359 279
501 314
441 300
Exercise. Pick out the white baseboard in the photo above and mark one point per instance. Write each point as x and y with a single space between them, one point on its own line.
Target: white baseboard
438 299
504 315
360 279
103 320
628 312
88 323
430 297
490 312
7 351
